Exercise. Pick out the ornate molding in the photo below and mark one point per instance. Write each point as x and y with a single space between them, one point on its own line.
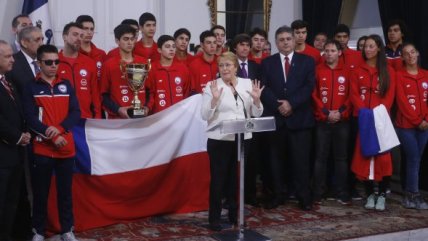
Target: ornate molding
212 4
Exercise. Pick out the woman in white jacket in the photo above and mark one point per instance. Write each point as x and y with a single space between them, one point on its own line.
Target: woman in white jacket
226 98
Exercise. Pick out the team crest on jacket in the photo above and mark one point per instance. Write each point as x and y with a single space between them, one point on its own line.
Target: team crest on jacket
124 91
99 64
162 102
62 88
178 89
177 80
83 72
425 85
84 82
161 96
341 79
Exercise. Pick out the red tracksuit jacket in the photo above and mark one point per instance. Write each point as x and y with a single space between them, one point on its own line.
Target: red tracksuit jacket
167 86
411 98
201 72
331 92
51 105
83 77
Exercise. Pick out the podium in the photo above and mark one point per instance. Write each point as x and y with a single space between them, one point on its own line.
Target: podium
240 127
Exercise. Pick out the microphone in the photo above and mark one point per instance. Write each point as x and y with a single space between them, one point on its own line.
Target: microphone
243 103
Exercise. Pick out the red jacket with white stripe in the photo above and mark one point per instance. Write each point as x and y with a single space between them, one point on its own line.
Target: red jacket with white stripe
411 98
51 105
332 90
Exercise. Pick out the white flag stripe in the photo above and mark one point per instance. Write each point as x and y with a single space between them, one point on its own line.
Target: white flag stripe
385 131
118 146
42 14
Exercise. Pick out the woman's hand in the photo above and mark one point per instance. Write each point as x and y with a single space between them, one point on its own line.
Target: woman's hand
256 92
216 93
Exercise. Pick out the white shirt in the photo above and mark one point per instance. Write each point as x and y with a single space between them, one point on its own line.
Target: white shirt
30 62
290 57
228 108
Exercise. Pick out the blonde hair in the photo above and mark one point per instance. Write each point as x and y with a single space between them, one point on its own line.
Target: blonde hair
228 56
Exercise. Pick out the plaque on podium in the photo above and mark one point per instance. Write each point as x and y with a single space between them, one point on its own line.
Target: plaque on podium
240 127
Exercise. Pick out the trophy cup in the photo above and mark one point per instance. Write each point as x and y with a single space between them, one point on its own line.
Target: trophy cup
136 75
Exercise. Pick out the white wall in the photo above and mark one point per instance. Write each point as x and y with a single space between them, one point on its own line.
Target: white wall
8 10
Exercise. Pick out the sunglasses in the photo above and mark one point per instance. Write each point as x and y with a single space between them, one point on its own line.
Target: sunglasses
50 62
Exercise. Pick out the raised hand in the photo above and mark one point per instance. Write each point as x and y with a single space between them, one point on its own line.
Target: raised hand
256 92
215 92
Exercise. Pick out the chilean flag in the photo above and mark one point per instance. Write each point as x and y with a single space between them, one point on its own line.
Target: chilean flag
129 169
38 10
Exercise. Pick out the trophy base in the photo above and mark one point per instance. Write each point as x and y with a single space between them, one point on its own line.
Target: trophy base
139 113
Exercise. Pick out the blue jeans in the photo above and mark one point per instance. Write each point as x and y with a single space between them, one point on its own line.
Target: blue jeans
41 174
413 143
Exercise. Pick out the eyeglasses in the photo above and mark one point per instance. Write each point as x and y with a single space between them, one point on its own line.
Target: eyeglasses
50 62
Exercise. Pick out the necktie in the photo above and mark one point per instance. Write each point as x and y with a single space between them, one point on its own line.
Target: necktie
36 67
287 65
243 70
7 86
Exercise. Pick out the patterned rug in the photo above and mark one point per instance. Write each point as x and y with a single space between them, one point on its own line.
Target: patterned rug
329 221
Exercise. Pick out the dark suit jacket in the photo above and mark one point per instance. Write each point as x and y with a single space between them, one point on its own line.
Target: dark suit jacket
297 90
21 73
11 127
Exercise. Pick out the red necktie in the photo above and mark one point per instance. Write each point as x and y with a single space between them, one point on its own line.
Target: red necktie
287 65
7 86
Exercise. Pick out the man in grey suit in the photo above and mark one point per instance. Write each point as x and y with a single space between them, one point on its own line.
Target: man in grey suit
25 66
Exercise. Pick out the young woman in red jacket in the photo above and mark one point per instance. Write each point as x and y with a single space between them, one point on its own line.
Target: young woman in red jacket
373 84
412 121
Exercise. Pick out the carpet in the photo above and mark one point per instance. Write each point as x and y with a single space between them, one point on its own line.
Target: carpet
329 221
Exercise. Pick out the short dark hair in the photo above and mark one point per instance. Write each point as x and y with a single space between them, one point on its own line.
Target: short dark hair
15 19
341 28
205 34
70 25
258 31
146 17
218 27
240 38
46 48
129 21
181 31
284 29
403 28
84 18
164 38
298 24
123 29
333 42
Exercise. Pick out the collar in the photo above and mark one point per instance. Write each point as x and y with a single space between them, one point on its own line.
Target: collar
240 62
290 56
28 58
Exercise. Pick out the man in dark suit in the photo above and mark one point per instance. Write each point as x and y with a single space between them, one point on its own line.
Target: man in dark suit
289 79
25 66
23 72
13 138
241 46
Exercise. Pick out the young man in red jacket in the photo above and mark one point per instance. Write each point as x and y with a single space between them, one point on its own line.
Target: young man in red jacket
258 41
182 38
51 110
300 29
87 47
80 70
169 80
332 110
147 47
116 94
204 67
351 58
